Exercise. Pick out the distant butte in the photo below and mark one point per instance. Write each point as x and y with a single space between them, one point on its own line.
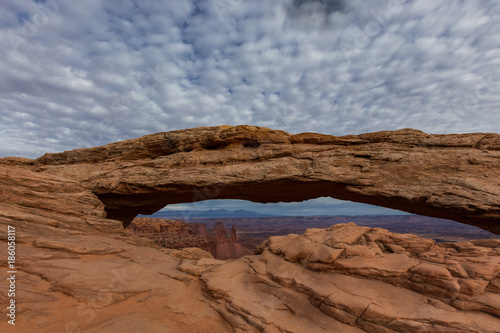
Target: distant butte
177 234
455 176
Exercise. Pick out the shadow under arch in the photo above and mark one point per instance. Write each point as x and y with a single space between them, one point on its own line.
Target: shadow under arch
126 207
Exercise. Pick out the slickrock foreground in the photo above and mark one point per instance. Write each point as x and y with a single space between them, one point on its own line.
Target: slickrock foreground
77 271
455 177
369 279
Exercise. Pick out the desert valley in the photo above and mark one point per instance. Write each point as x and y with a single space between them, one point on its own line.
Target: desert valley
253 230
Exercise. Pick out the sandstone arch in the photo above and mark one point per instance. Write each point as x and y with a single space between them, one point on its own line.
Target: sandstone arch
448 176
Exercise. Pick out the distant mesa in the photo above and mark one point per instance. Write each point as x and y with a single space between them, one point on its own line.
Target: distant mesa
145 225
192 214
254 230
177 234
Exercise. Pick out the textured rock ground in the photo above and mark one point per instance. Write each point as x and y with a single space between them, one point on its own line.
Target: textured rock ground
454 176
367 278
78 272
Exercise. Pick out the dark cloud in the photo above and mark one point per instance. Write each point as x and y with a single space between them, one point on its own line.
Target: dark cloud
325 6
312 14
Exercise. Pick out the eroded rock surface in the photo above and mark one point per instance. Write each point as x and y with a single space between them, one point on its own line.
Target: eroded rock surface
78 272
40 205
369 279
342 279
177 234
453 176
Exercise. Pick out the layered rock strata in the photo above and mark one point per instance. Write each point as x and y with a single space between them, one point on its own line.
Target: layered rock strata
77 271
177 234
368 279
454 176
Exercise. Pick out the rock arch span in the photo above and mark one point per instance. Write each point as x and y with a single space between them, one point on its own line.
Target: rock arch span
455 176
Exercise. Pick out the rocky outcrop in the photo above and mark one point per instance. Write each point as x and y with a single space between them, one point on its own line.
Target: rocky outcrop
234 237
177 234
149 225
353 279
219 232
454 176
78 272
40 204
199 228
227 247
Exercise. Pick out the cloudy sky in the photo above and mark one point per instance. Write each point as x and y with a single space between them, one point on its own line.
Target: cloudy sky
86 73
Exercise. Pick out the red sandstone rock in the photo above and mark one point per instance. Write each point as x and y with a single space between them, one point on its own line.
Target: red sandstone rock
77 271
148 225
454 176
219 232
177 234
228 247
349 278
199 228
234 238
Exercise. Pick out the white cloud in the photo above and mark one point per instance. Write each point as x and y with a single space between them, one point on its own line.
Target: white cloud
78 74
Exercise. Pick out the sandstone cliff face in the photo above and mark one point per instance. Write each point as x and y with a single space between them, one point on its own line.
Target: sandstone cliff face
199 228
177 234
46 205
227 247
78 272
449 176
